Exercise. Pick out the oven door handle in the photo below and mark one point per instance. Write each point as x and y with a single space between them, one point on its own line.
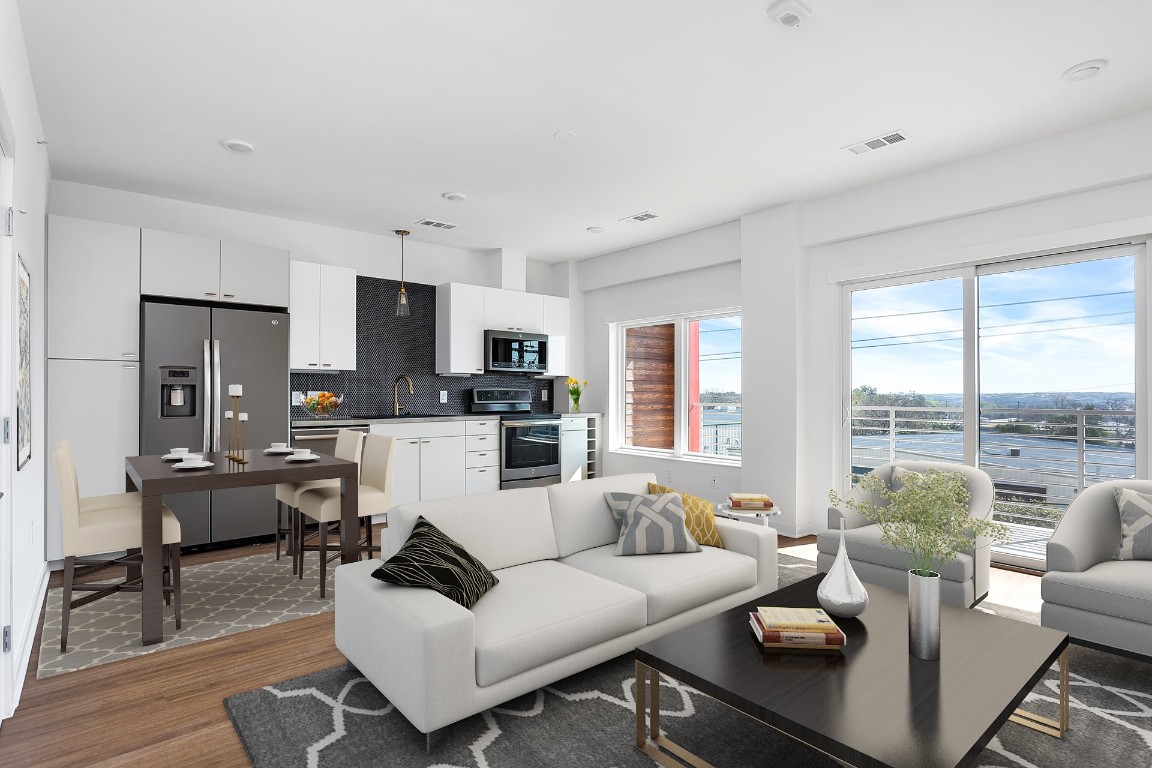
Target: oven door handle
542 423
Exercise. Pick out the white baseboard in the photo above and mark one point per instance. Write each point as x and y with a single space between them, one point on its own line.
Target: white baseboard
24 644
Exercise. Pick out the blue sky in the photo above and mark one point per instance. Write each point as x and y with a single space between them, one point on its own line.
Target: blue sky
720 354
1048 329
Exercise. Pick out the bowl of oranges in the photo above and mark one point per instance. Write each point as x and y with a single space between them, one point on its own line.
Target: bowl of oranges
322 403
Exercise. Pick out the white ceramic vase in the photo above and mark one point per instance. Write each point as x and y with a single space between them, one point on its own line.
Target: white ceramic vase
842 593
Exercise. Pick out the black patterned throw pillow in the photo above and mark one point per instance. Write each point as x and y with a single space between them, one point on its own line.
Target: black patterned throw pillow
431 559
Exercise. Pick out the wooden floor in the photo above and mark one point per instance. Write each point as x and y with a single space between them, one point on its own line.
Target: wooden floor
166 708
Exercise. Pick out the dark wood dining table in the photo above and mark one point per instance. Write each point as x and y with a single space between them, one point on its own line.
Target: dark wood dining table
155 478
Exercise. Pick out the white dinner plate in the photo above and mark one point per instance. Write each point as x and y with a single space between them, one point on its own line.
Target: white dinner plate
173 457
193 465
309 457
277 451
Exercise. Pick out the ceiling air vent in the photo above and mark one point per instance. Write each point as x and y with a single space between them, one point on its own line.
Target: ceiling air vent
642 216
437 224
877 143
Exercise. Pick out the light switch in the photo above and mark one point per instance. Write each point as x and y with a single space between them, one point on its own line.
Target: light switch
544 394
297 398
443 395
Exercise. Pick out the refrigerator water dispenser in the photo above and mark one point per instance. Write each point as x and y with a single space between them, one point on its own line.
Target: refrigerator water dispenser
177 392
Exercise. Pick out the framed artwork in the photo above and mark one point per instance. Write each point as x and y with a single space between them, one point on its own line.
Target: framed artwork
24 385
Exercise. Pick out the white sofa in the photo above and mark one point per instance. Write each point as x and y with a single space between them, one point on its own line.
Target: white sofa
564 602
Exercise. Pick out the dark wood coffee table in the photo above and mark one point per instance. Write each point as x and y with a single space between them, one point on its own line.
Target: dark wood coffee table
873 705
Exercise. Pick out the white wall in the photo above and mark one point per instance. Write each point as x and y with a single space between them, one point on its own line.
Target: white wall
369 254
25 488
670 289
1088 186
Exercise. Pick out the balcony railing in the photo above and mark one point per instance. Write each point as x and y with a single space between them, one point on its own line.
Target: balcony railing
720 428
1039 459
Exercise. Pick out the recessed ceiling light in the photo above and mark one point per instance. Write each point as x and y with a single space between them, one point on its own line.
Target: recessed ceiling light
564 136
237 145
595 230
1084 70
455 197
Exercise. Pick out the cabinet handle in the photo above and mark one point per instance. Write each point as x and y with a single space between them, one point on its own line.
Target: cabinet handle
327 365
481 455
128 354
229 295
129 367
312 365
413 442
479 370
482 423
206 293
483 470
481 438
425 441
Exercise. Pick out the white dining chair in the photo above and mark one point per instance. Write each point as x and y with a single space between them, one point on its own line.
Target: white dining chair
374 495
349 444
98 525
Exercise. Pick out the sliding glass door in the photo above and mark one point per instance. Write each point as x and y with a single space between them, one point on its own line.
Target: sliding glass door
1047 348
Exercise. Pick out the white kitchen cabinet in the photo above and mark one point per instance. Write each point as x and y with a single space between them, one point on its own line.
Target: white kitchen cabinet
322 304
430 459
204 268
574 448
253 274
442 467
482 479
406 471
460 328
557 327
184 266
506 310
93 290
102 425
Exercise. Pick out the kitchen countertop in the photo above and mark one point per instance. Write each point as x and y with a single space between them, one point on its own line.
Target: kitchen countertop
402 419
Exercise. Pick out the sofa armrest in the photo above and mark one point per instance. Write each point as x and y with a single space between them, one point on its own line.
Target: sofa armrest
413 644
1088 533
852 518
756 541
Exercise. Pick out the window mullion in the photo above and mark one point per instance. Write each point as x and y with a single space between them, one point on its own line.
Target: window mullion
971 370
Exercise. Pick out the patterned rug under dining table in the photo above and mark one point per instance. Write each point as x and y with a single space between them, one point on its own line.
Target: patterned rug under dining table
154 478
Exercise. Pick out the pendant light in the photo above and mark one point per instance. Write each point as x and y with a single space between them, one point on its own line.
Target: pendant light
402 297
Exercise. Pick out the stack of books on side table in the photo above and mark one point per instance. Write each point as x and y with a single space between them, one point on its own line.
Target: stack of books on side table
801 630
749 501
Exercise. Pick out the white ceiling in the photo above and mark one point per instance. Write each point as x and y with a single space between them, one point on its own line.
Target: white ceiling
364 111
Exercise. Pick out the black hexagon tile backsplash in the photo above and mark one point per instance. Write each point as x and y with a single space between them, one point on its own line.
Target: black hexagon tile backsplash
388 346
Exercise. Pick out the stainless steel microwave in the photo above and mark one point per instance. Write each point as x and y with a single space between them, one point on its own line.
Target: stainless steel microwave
514 351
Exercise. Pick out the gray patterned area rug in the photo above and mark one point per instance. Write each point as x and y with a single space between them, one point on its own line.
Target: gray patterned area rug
336 718
218 599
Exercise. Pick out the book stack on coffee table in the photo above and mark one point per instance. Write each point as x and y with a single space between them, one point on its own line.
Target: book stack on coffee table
789 630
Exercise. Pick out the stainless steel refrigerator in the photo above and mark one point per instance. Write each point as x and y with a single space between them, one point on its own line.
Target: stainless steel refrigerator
191 354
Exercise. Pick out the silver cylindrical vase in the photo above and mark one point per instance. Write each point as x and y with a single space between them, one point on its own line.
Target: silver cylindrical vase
924 615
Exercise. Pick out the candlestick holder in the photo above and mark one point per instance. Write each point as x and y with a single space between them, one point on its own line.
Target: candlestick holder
236 432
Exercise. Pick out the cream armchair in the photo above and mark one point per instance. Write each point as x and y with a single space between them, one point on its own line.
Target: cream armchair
1100 602
964 581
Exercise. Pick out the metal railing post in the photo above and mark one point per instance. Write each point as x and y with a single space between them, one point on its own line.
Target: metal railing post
891 434
1081 434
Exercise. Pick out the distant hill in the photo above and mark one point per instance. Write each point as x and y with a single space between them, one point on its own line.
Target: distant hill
1099 400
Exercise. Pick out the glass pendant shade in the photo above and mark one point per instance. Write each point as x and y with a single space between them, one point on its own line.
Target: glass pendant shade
402 309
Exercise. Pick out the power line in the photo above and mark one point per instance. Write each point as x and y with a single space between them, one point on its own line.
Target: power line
991 306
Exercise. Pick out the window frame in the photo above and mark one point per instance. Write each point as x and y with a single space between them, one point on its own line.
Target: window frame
679 450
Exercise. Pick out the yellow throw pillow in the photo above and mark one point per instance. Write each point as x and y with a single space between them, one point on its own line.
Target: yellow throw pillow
700 516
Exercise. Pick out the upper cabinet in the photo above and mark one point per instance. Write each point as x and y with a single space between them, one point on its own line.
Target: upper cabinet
464 312
557 327
460 328
193 267
254 274
93 290
323 310
506 310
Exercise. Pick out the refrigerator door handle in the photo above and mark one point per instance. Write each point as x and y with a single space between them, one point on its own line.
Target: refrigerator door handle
216 393
207 396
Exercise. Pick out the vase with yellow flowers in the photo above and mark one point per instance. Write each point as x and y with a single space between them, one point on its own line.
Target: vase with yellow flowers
575 391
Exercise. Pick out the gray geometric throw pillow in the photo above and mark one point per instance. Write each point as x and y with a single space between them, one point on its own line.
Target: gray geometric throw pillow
1135 524
650 525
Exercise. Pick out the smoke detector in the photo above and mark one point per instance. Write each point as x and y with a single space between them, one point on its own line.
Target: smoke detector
790 13
237 145
1084 70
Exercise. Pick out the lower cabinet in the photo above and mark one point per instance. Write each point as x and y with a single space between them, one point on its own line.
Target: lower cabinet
434 460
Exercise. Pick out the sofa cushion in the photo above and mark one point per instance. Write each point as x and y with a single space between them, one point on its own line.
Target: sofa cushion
544 611
672 584
580 516
1121 588
650 524
1135 524
699 516
501 529
434 561
864 544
